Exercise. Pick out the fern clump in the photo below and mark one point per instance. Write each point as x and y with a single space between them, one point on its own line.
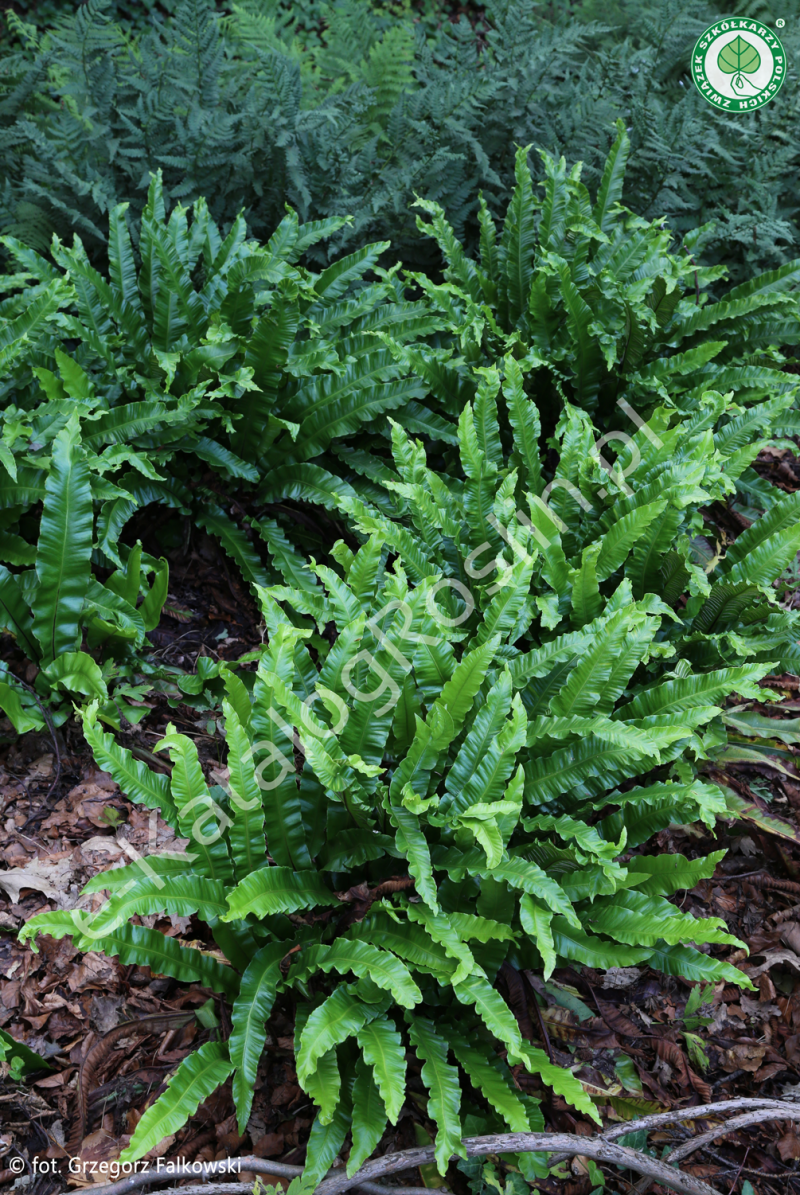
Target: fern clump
191 349
524 684
598 305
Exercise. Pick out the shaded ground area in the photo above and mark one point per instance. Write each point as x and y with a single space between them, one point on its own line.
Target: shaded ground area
645 1042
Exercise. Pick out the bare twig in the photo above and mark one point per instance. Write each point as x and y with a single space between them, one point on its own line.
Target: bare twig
737 1122
739 1171
172 1172
498 1143
779 1110
564 1145
699 1112
236 1188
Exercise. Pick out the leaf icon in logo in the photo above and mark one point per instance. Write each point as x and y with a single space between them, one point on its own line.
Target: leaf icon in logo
738 58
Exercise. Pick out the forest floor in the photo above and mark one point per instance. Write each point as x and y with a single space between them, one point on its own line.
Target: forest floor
638 1044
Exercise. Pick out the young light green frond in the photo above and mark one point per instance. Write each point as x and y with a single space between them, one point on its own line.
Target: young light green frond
182 895
524 418
138 782
324 1144
248 845
406 940
413 844
526 876
707 688
673 873
339 1016
117 878
63 555
442 930
366 961
768 559
637 919
537 921
200 818
324 1085
610 191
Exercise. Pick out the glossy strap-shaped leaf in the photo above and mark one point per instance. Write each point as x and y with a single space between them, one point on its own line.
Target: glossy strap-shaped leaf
143 947
384 1051
182 895
196 1078
277 890
340 1016
441 1079
246 834
139 783
369 1117
486 1074
364 960
257 992
63 554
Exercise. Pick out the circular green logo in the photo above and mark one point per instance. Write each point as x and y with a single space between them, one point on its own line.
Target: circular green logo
738 64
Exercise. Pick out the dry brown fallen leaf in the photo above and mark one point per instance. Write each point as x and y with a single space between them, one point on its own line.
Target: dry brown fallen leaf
744 1056
789 1146
52 879
772 958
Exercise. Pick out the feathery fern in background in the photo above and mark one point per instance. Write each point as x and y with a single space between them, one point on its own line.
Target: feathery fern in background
340 107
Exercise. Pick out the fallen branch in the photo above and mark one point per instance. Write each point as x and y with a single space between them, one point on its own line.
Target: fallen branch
569 1144
237 1188
770 1110
203 1170
660 1120
563 1145
737 1122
